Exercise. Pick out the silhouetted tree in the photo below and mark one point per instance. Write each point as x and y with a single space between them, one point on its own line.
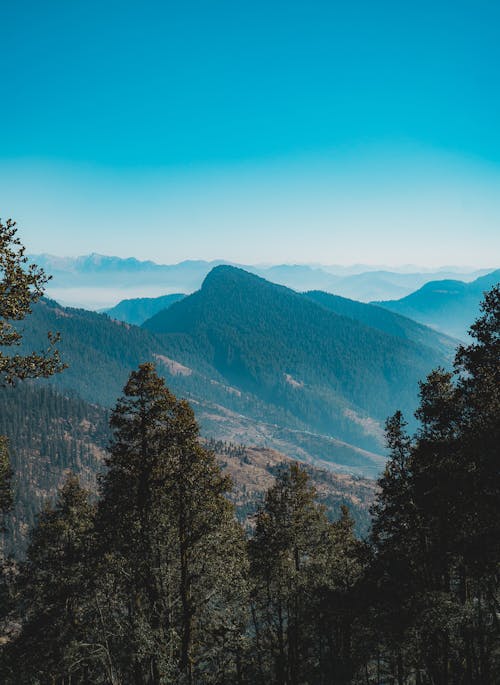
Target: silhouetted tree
436 527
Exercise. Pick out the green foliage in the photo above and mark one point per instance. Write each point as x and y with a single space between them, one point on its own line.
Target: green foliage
173 547
6 499
51 584
386 321
156 584
436 532
259 350
48 434
21 286
304 572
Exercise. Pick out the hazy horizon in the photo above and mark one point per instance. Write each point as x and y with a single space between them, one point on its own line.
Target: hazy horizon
353 267
106 285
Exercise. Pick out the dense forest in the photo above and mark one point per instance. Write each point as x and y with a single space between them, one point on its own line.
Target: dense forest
156 582
50 434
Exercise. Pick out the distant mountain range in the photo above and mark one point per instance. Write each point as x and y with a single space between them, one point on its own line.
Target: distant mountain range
446 305
95 281
261 363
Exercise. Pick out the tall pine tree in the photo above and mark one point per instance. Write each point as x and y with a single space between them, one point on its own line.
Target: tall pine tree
174 552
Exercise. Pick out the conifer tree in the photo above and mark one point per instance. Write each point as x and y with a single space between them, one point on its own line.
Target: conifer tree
21 285
336 607
174 553
436 528
5 480
52 587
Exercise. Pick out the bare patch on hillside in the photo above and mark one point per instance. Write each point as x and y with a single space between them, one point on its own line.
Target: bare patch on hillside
173 367
292 381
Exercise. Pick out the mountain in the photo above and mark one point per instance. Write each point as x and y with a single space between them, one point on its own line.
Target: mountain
100 353
51 434
386 321
261 364
298 276
301 365
447 305
137 310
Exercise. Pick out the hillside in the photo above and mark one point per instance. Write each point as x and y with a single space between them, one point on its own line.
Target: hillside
386 321
320 371
101 352
449 306
261 364
137 310
50 434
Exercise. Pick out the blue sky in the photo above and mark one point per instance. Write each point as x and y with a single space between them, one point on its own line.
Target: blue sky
254 131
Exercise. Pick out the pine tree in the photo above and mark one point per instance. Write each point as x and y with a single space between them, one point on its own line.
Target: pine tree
290 530
52 586
174 553
21 285
436 528
335 609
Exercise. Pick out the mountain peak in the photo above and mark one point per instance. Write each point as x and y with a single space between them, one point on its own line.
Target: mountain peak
227 271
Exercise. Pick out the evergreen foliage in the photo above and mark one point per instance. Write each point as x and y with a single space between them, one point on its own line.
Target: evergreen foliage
310 367
51 585
304 573
171 539
21 285
386 321
49 434
6 498
436 529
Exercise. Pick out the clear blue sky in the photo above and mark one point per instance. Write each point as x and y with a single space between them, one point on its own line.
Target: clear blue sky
331 131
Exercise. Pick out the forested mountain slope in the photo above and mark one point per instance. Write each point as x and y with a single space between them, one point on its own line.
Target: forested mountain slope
331 373
447 305
386 321
101 352
50 434
262 365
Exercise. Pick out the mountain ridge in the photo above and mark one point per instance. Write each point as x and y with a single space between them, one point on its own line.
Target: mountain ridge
447 305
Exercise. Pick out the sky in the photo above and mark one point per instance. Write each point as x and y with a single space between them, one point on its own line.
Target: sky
326 132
